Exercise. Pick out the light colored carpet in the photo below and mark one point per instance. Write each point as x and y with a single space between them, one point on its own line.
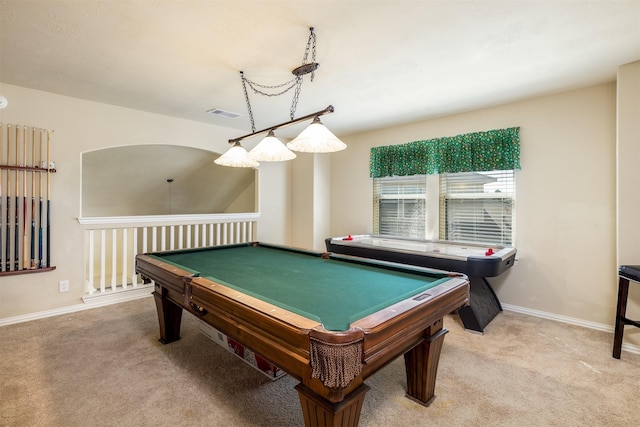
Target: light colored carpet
105 367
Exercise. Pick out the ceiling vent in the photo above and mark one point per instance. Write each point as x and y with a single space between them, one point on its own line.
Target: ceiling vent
223 113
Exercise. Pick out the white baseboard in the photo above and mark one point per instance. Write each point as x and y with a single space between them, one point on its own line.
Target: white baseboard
107 298
570 320
90 301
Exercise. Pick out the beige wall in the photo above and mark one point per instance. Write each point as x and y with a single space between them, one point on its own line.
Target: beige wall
82 126
628 158
302 184
310 191
628 175
275 203
566 203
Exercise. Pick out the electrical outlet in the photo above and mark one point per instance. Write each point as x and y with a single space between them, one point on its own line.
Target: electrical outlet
63 286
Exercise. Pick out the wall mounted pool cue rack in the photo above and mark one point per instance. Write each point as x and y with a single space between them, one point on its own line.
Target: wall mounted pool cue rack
25 216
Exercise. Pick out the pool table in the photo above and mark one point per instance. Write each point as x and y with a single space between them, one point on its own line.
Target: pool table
327 320
477 261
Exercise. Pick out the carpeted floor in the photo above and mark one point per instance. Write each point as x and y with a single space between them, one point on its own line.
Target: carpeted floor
105 367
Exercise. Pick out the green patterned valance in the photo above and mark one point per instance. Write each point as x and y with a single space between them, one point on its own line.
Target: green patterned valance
479 151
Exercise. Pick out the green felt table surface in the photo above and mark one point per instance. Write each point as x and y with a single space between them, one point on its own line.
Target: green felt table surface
333 291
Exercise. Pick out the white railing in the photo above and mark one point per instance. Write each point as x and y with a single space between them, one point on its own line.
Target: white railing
112 243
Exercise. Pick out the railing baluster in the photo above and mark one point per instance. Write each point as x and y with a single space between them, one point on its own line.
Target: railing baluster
91 262
103 234
154 239
114 254
144 240
134 252
124 259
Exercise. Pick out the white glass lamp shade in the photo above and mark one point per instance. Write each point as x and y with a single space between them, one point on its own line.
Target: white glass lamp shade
236 157
316 138
271 149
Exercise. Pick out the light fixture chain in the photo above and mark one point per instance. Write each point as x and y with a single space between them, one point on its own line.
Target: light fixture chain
296 96
311 45
246 98
312 40
254 86
295 82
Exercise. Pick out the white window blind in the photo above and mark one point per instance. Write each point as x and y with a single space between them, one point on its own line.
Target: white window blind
399 206
477 207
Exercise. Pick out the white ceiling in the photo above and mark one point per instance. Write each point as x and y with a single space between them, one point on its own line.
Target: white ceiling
382 62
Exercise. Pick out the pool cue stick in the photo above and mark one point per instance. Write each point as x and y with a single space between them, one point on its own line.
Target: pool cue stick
7 253
16 236
25 235
48 257
40 210
33 199
1 211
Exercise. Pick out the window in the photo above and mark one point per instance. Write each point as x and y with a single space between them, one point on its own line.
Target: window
472 206
399 206
477 207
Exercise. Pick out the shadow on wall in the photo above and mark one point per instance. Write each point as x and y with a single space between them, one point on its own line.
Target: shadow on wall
163 180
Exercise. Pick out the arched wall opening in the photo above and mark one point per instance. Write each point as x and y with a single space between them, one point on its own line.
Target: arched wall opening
138 180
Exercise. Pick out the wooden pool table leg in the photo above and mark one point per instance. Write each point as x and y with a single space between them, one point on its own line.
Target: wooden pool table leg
169 316
421 364
319 411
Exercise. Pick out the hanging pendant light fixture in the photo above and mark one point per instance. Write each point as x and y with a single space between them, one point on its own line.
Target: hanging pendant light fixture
271 149
236 157
314 139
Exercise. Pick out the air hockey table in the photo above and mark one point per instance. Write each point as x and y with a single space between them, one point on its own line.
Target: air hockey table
477 261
